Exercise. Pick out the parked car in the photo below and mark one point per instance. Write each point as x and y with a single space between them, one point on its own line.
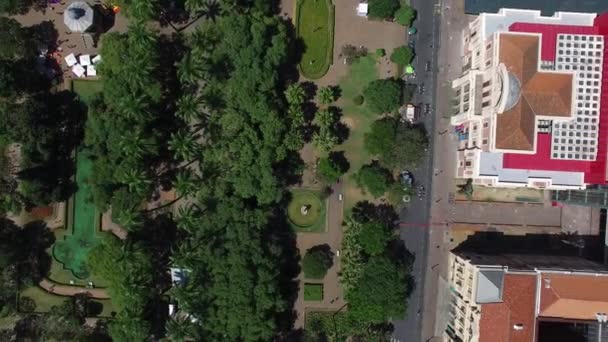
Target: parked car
412 45
412 30
427 66
421 89
407 178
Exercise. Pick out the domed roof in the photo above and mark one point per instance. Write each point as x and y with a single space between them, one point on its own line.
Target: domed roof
513 91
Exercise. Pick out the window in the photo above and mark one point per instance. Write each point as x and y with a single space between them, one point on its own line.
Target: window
484 141
467 163
485 124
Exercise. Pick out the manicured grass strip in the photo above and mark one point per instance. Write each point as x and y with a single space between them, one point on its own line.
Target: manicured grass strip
313 292
87 89
315 26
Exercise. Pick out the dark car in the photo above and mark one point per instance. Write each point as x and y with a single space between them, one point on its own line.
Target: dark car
407 178
412 45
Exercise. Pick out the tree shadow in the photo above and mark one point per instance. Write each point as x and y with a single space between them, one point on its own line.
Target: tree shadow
290 169
340 159
365 211
339 128
279 232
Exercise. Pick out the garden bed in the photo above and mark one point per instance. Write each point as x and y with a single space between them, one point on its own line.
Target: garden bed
313 292
314 220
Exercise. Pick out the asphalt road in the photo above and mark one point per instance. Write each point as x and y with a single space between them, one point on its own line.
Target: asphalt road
415 218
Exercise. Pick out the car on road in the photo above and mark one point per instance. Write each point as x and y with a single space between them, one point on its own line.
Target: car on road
412 30
340 197
427 66
427 108
421 89
412 45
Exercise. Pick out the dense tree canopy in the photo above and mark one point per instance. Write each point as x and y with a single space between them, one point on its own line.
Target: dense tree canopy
333 166
233 247
384 95
402 55
373 178
317 261
380 293
374 237
383 8
405 15
396 144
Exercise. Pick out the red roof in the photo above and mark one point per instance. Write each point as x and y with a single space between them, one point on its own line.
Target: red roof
595 171
518 307
549 35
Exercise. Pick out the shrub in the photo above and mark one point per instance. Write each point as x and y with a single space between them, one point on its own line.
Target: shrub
405 15
383 8
333 166
402 55
317 261
358 100
383 96
380 52
373 178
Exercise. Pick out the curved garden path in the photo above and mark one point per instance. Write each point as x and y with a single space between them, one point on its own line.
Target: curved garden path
70 290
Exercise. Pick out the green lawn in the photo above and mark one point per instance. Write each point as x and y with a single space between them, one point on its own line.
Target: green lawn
73 250
315 26
313 292
314 222
87 89
359 118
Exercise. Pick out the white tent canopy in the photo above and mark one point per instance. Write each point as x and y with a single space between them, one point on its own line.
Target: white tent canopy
78 17
362 9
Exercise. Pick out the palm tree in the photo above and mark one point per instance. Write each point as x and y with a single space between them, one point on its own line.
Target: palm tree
188 218
185 183
136 180
184 145
295 94
180 328
135 145
325 118
326 95
132 107
211 9
189 107
190 69
142 9
129 219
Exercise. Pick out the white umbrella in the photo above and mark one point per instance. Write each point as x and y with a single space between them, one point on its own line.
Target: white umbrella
78 17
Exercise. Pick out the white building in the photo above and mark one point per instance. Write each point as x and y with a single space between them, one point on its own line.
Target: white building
527 108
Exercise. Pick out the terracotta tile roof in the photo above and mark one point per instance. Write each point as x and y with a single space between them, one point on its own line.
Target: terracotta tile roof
41 212
519 301
572 296
542 93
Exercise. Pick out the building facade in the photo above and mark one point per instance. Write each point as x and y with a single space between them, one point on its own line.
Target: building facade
528 108
499 303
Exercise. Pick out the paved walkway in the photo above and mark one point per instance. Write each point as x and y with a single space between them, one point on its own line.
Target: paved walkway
70 290
332 291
